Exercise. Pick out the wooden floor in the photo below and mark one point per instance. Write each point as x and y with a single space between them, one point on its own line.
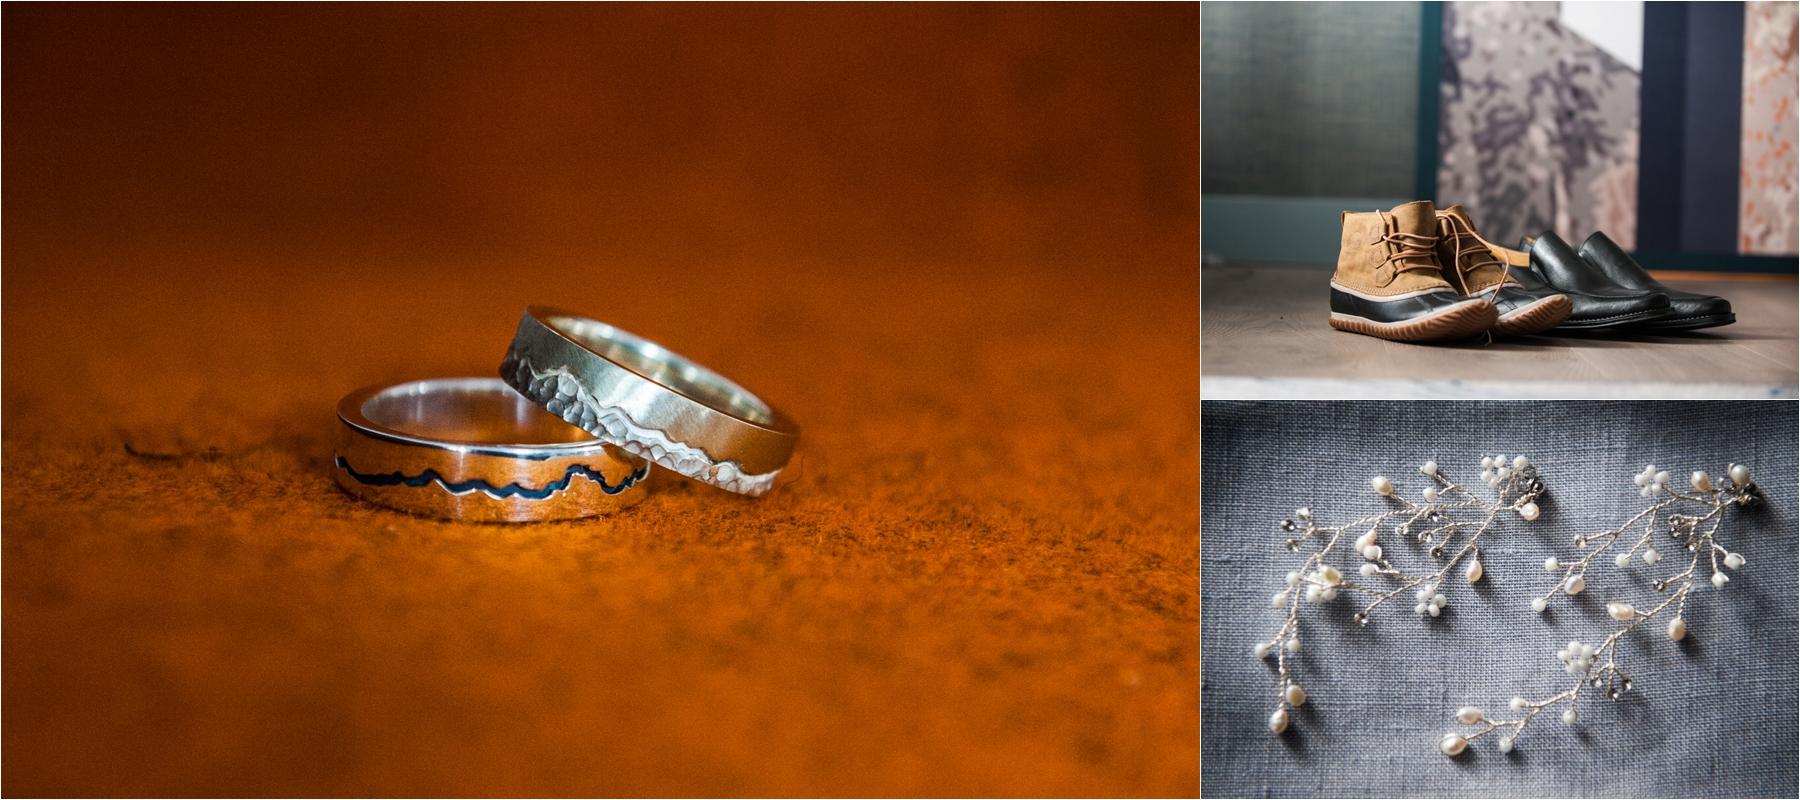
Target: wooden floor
1264 336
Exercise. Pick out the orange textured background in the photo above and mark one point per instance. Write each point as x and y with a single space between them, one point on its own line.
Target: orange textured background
957 244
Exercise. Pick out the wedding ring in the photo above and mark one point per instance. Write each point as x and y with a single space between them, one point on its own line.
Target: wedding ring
473 449
652 403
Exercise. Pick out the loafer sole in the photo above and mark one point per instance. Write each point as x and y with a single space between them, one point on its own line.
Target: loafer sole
1688 323
1538 317
1618 321
1459 321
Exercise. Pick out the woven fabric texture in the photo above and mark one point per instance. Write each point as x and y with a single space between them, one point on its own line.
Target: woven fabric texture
1712 716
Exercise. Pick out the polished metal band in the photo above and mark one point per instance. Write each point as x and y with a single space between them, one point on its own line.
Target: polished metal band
635 394
473 449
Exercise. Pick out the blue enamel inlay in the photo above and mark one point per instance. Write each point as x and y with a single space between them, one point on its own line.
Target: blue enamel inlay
431 476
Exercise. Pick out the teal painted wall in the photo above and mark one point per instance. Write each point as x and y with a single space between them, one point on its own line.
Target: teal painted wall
1238 229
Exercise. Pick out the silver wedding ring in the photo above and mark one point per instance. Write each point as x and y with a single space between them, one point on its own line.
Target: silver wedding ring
474 449
654 404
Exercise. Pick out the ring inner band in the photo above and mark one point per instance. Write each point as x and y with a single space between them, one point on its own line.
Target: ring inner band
659 364
476 411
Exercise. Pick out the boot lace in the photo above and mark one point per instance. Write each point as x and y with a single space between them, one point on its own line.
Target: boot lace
1459 232
1403 247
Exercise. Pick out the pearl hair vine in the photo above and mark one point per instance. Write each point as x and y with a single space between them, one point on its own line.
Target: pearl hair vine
1435 522
1697 531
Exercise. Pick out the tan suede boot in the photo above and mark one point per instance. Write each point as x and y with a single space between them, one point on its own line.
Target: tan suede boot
1471 268
1389 284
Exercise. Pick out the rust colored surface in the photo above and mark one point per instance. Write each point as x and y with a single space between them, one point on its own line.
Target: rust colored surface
957 244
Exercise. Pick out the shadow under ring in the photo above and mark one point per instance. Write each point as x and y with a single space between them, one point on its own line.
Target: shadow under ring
473 449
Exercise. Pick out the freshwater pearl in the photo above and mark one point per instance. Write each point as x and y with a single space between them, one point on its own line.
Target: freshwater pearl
1719 580
1622 560
1701 481
1293 644
1503 473
1452 744
1499 461
1262 649
1517 704
1430 468
1296 696
1474 572
1328 595
1303 513
1641 479
1420 608
1278 721
1468 715
1662 477
1487 462
1487 477
1574 662
1293 579
1382 485
1369 570
1431 494
1574 585
1677 629
1506 744
1622 612
1434 610
1529 511
1330 575
1364 541
1550 564
1569 716
1651 556
1539 605
1279 600
1312 593
1372 552
1520 462
1733 560
1740 475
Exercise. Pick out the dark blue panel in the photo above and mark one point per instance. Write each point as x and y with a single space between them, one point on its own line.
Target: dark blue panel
1431 48
1662 125
1710 144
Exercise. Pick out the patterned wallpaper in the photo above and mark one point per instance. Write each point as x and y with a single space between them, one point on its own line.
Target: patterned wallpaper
1767 209
1538 128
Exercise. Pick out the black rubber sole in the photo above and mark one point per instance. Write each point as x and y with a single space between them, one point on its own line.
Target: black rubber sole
1460 321
1544 314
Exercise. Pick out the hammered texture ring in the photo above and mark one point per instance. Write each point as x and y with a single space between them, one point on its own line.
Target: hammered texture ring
655 404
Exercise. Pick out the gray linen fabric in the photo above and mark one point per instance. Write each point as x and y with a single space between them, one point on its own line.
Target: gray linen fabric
1712 716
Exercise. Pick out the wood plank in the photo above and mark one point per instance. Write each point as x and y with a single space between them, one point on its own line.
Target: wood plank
1263 335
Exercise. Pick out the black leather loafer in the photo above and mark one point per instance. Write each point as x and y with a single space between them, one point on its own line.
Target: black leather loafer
1688 311
1598 303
